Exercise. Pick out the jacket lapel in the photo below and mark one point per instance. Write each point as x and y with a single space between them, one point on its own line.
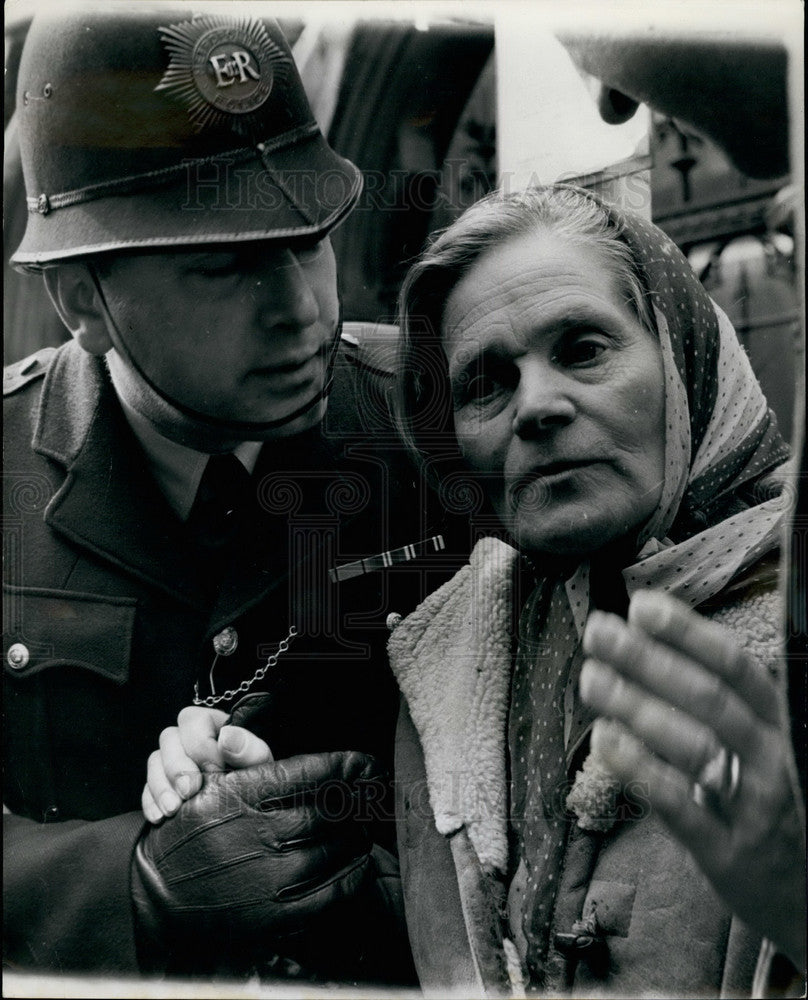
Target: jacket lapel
109 503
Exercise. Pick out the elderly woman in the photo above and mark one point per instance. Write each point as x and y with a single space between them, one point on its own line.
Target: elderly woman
561 358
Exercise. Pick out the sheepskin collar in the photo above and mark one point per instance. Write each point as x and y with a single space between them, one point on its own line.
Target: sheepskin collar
452 660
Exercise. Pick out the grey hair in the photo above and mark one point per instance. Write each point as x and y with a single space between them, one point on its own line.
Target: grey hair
422 396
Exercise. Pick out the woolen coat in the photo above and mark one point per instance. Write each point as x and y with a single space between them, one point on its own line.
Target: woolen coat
111 611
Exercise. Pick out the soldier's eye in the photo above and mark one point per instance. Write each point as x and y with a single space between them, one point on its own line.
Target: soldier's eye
214 272
481 387
215 265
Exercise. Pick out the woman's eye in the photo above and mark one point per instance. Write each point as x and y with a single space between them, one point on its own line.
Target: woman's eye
481 387
581 350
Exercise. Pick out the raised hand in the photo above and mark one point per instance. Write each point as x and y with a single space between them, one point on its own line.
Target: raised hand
700 724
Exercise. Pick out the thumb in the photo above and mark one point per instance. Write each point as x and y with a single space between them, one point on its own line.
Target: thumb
241 748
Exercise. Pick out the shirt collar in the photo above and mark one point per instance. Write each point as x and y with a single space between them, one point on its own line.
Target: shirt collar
177 468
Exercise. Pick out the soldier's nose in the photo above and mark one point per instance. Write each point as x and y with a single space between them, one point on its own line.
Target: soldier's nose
285 294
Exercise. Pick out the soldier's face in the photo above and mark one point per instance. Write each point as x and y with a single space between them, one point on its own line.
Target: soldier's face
239 333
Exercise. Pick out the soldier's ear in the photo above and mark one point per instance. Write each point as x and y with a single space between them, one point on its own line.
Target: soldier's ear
75 297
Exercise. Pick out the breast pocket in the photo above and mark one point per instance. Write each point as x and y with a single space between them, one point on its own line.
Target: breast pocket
45 629
66 704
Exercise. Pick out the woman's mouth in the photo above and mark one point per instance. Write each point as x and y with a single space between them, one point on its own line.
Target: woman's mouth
531 488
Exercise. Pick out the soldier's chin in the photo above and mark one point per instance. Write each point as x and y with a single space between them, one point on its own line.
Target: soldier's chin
228 427
297 425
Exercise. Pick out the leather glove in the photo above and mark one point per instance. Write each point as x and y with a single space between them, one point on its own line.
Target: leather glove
258 851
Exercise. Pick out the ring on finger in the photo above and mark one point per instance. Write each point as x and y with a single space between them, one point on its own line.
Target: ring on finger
716 786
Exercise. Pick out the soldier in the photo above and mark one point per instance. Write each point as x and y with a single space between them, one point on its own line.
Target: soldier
179 503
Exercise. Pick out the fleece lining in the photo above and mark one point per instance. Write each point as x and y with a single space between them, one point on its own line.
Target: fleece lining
452 660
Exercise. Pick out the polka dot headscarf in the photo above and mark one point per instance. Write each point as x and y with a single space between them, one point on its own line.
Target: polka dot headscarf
715 516
721 435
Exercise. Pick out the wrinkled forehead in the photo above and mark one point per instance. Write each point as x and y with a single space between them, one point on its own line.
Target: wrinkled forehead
530 284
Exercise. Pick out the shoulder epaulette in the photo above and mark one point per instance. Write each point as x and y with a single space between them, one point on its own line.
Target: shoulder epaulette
19 374
371 346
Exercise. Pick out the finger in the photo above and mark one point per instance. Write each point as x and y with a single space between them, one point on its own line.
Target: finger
339 768
302 828
163 795
660 788
334 777
199 732
241 748
149 806
675 678
182 773
308 883
672 622
675 736
762 849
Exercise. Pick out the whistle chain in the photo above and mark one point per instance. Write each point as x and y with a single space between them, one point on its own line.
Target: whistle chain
245 686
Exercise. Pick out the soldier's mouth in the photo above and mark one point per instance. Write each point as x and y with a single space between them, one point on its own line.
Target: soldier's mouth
302 367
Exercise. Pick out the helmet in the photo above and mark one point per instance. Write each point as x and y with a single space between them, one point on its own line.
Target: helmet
145 126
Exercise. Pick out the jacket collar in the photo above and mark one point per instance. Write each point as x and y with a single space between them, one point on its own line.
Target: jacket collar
109 504
75 386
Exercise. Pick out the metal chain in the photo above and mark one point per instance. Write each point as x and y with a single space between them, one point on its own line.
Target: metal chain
245 686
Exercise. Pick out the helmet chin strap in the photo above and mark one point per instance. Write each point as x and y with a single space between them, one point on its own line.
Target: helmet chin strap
240 430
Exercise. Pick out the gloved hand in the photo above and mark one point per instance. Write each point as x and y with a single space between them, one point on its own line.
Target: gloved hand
258 851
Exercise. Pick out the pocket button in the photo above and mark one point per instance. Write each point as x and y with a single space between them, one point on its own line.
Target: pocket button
18 656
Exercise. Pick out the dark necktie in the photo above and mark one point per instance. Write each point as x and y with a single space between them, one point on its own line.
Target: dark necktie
224 496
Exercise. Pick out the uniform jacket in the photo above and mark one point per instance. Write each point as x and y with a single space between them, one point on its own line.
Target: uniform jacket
665 931
115 611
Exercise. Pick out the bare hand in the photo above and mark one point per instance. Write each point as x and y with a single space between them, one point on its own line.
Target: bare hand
200 742
681 690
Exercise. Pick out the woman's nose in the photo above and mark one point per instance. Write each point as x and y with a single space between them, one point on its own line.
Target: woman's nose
285 293
543 402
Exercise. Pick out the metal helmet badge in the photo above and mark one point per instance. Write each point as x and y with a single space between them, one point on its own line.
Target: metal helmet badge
223 68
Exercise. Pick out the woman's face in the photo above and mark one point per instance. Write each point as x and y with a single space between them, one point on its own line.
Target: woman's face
558 394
